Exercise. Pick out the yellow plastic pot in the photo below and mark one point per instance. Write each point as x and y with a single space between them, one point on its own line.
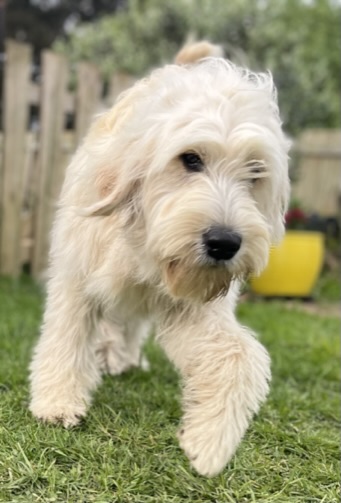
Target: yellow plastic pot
294 266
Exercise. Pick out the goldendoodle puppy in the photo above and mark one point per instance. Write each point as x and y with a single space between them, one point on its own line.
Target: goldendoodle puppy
175 195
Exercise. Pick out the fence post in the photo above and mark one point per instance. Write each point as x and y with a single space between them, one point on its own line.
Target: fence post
16 93
318 168
53 90
89 88
119 82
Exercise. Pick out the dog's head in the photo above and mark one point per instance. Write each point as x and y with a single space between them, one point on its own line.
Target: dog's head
196 156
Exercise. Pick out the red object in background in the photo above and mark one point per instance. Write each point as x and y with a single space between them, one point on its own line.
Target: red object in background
294 218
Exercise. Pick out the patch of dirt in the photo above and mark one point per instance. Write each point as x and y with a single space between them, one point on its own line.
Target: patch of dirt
305 305
321 309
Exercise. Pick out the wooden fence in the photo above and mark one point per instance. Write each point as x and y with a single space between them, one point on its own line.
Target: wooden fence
33 160
318 183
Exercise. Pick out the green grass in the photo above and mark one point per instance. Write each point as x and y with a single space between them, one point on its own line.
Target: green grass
328 287
126 451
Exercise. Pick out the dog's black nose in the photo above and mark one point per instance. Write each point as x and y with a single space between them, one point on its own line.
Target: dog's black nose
221 243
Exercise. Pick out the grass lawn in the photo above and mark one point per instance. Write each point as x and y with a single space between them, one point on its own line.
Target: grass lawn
126 450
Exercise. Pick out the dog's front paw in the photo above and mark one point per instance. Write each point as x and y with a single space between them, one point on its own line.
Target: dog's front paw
221 395
67 415
209 447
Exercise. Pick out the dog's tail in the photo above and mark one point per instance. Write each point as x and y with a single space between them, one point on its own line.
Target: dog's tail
193 52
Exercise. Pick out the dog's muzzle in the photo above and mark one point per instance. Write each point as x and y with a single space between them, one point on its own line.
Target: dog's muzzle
221 243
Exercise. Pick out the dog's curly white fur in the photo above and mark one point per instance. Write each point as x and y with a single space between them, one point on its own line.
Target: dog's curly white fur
186 150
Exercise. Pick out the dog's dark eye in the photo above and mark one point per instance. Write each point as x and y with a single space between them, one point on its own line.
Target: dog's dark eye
255 174
192 161
257 170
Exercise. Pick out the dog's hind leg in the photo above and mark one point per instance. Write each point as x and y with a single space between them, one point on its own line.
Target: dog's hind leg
119 347
64 369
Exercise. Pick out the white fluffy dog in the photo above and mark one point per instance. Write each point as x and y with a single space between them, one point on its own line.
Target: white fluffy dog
175 195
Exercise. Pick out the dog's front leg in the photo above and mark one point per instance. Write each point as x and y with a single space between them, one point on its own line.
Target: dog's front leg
63 370
225 372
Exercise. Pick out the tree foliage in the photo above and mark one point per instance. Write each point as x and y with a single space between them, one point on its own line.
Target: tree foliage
298 40
40 22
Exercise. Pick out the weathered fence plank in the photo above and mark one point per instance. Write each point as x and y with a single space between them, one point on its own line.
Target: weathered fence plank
119 82
30 184
34 98
54 81
318 187
89 90
16 90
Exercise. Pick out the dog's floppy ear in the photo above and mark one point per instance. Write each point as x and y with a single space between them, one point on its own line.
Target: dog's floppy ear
277 218
278 204
109 146
113 189
108 204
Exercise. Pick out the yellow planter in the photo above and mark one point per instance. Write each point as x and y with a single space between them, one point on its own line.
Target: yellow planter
294 266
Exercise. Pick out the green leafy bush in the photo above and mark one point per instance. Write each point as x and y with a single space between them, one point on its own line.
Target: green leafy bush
297 40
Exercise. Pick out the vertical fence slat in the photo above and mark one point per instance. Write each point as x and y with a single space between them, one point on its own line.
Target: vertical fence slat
28 195
89 88
119 82
318 185
54 81
16 94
